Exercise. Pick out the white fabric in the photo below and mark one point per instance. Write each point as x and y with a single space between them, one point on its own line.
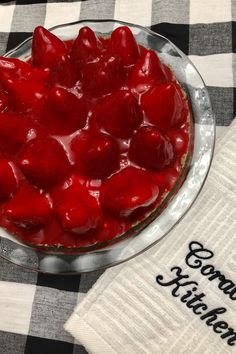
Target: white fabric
124 10
215 69
16 306
128 311
62 13
6 15
209 11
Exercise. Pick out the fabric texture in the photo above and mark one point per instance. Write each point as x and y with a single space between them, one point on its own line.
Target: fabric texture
34 307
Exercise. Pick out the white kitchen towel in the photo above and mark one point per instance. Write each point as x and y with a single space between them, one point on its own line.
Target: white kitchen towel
179 296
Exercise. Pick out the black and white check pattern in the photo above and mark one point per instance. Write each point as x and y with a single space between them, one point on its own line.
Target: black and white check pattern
34 308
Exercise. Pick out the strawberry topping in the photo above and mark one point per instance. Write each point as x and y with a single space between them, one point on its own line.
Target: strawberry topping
47 49
94 135
44 162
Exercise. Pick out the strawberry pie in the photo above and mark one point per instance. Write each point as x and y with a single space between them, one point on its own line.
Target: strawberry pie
95 138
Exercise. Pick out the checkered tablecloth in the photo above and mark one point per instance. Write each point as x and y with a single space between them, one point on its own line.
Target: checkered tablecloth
34 307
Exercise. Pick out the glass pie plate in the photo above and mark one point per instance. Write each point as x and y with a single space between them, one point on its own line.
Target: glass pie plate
162 221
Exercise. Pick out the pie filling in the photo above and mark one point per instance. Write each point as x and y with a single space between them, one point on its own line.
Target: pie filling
95 133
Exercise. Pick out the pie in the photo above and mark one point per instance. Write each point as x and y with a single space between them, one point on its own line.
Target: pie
96 134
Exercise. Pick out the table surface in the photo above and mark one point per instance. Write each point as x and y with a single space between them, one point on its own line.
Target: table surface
34 307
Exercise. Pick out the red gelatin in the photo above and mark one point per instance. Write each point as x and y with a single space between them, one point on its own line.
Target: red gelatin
103 76
44 162
28 208
147 72
87 47
77 209
119 114
12 68
124 46
150 149
179 140
63 73
25 95
163 105
64 113
47 49
95 133
15 132
96 155
4 101
8 180
129 190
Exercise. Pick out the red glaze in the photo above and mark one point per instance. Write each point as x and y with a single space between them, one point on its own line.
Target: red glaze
28 208
15 131
179 140
44 162
25 95
63 73
78 211
148 72
166 179
8 180
97 155
87 47
163 105
119 114
94 133
150 149
47 49
15 68
129 190
124 46
103 76
63 112
4 101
